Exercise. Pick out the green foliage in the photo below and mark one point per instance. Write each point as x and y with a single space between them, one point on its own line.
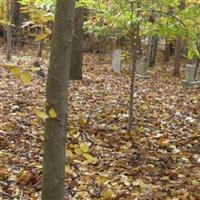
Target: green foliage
3 14
113 19
40 14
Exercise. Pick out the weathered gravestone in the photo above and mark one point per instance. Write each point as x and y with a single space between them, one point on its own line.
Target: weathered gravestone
197 77
116 60
190 79
141 68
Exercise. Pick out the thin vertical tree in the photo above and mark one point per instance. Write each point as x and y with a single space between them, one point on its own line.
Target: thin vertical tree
134 37
56 95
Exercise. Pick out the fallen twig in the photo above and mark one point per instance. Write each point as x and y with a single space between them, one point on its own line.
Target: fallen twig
3 184
22 194
5 194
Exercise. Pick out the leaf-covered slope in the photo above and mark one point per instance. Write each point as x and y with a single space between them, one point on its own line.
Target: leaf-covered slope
160 161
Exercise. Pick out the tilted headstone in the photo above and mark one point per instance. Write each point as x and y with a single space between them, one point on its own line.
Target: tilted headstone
190 73
116 60
198 74
190 76
141 68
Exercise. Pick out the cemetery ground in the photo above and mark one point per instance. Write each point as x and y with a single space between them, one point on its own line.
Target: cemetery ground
160 160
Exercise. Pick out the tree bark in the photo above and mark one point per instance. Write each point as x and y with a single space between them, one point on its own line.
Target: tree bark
168 50
13 12
178 48
177 57
134 42
9 29
77 49
197 70
152 52
16 21
56 95
39 50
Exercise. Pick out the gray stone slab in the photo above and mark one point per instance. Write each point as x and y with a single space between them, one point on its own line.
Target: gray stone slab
198 74
142 76
190 72
190 79
141 68
116 60
187 83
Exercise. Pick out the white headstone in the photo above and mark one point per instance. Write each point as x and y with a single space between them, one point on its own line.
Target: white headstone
116 60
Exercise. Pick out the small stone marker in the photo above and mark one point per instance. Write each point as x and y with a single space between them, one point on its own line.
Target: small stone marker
116 60
141 68
190 76
198 74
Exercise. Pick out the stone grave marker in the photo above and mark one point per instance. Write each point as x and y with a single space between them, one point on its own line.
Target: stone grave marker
190 79
141 68
198 74
116 60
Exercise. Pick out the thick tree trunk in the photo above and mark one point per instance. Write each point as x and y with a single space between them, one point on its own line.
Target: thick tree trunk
178 48
168 50
77 49
177 57
9 29
152 52
57 84
153 43
16 21
9 43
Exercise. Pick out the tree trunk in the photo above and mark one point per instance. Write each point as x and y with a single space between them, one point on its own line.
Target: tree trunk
196 74
77 49
16 21
168 50
56 94
13 15
152 52
9 29
178 48
134 42
177 57
39 50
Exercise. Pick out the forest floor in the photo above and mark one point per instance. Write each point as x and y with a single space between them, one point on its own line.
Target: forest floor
161 159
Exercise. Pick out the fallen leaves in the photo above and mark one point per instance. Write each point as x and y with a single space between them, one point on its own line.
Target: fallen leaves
4 173
161 161
43 115
20 73
26 78
89 158
82 150
40 114
26 177
84 147
52 113
108 194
